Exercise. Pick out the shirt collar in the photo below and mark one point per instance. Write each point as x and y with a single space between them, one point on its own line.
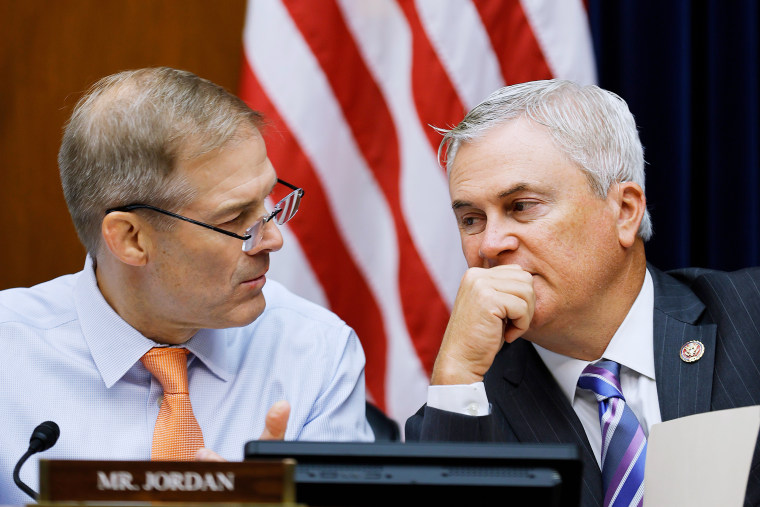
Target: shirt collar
211 347
116 346
631 345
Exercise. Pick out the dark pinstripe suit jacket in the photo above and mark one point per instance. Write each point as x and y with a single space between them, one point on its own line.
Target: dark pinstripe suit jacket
722 310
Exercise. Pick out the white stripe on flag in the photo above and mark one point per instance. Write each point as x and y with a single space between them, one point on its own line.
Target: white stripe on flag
462 57
562 30
290 267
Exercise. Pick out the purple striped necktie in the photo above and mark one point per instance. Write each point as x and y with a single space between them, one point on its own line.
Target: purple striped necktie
624 445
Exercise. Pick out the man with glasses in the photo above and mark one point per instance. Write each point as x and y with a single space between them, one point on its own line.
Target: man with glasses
167 180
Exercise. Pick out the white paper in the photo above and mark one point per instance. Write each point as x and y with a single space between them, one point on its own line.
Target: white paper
701 460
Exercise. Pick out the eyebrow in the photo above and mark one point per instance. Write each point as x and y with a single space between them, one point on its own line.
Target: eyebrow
238 206
513 190
457 204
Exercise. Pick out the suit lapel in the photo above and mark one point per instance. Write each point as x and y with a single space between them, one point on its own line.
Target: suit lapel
682 388
538 410
534 409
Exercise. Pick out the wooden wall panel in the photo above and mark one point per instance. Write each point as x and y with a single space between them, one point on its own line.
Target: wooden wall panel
51 51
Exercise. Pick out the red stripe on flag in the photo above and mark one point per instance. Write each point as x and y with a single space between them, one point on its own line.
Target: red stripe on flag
512 37
344 286
372 126
435 97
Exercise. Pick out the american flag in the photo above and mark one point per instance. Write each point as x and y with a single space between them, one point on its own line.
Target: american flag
350 89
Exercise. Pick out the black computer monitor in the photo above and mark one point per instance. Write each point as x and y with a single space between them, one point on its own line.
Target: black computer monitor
440 474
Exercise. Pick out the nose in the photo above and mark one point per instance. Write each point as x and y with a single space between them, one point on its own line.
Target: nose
271 239
497 240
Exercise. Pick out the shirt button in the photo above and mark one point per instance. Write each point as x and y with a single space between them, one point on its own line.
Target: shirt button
160 400
472 409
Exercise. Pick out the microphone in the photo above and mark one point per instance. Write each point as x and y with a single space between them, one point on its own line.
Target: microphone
44 436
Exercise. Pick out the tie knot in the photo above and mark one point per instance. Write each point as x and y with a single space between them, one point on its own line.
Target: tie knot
169 366
603 379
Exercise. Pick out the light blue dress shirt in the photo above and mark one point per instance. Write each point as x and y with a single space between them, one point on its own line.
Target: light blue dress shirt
66 356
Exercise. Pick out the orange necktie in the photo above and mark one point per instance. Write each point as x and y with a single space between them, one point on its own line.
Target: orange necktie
177 434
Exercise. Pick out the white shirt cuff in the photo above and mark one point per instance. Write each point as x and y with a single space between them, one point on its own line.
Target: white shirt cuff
463 399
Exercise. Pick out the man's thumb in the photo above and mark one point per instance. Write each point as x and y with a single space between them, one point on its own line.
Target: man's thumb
276 421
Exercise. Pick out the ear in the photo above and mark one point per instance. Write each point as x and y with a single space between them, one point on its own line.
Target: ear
631 205
126 236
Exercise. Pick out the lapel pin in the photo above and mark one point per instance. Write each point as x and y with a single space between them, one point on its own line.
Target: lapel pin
692 351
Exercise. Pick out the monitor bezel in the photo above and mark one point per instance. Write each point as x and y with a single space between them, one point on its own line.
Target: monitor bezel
563 458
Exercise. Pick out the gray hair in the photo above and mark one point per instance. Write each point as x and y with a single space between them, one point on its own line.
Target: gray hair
592 126
127 135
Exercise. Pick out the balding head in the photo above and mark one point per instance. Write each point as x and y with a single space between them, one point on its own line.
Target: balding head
127 133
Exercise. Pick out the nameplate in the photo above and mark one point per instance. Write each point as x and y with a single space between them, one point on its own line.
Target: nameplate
167 481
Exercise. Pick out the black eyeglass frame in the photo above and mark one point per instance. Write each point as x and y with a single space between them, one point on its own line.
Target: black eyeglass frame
245 237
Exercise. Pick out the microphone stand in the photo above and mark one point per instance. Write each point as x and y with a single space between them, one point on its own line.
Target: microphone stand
17 479
44 436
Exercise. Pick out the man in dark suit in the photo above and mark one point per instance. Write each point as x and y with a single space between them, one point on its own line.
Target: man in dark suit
547 186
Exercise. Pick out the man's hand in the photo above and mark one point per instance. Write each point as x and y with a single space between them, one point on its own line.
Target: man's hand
275 425
204 454
276 421
492 305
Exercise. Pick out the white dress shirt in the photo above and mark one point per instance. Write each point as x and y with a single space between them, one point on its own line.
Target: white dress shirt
631 346
67 356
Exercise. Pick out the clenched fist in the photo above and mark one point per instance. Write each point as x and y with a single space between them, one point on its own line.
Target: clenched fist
492 306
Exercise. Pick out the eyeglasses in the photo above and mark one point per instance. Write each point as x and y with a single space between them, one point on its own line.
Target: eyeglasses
283 211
